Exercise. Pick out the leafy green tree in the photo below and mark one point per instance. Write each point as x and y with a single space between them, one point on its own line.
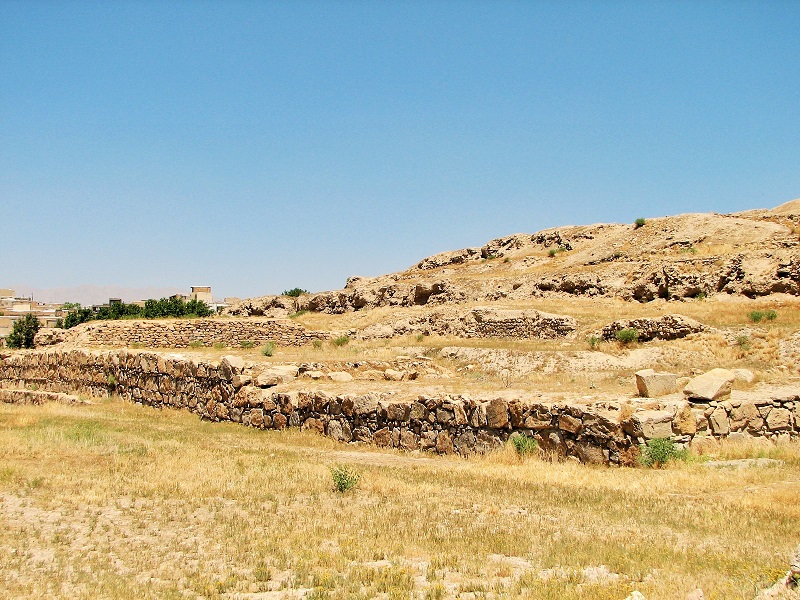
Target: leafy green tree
23 331
295 292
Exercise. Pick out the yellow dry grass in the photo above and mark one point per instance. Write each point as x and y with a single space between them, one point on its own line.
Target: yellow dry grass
115 500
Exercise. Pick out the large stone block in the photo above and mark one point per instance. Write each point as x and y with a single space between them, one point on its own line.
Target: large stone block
569 423
652 384
779 419
718 421
649 424
710 386
497 413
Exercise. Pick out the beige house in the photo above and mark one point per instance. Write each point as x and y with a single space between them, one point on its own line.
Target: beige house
203 293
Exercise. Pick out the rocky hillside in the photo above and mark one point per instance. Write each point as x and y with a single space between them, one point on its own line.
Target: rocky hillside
753 253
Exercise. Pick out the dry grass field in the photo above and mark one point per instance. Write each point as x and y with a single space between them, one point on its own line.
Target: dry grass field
115 500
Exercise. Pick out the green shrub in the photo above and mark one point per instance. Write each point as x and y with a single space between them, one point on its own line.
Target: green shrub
743 341
659 451
317 344
756 316
594 342
152 309
552 252
628 335
111 380
640 222
247 344
420 337
195 344
23 331
771 315
268 349
342 340
344 477
299 313
220 345
295 292
525 445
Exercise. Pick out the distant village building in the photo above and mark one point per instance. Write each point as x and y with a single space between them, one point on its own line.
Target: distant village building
203 293
13 308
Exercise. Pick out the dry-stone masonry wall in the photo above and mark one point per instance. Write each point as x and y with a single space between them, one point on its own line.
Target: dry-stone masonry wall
181 333
479 322
668 327
231 390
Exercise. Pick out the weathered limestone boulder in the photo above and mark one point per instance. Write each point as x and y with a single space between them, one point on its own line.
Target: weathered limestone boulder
709 386
779 419
684 421
652 384
394 375
649 424
231 365
746 415
744 375
718 421
276 375
497 413
340 376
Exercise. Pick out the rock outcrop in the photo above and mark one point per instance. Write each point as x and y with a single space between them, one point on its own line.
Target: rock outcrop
752 254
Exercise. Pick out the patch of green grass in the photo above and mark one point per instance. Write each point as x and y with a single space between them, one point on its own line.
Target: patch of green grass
340 341
743 341
594 341
659 451
299 313
640 222
344 477
195 344
524 445
268 349
626 336
247 344
220 345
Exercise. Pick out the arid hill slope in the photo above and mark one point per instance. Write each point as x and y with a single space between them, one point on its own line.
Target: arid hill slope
753 253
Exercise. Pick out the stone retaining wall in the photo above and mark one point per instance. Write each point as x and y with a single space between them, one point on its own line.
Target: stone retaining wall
180 333
599 432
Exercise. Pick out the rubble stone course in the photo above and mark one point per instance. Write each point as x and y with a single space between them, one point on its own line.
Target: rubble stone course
180 333
223 390
668 327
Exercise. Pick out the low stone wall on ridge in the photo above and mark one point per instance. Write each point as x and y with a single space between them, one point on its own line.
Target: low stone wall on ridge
181 333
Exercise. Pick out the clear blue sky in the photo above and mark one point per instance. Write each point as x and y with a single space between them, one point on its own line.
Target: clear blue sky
259 146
